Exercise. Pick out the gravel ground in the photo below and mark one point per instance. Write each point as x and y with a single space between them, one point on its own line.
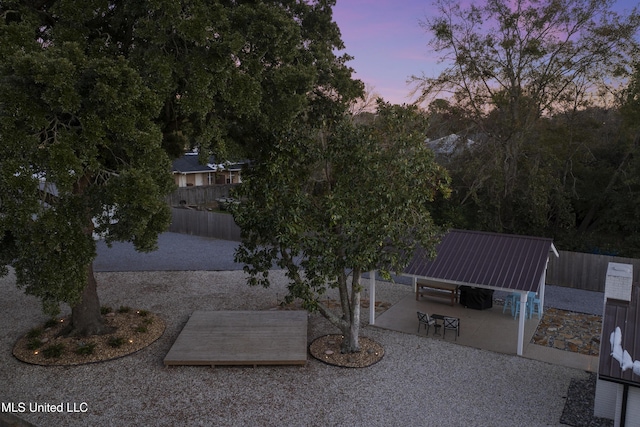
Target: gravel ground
181 252
578 409
420 381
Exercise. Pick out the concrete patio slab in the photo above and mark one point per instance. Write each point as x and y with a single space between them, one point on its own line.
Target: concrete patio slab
489 329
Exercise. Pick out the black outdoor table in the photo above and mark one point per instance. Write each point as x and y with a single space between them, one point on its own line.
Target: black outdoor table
437 325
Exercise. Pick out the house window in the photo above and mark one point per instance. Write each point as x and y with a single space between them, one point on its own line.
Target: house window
211 178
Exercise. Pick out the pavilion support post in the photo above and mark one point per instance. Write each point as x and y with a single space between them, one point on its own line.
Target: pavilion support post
543 281
521 319
372 297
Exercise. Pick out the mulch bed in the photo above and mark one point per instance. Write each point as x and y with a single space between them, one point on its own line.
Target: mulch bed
327 349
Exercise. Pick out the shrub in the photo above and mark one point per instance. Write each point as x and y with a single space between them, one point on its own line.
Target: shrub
53 351
34 333
85 348
143 313
105 310
116 342
34 344
124 309
142 329
51 323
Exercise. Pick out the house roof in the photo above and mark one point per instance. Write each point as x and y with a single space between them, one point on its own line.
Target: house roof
488 260
189 163
449 144
624 315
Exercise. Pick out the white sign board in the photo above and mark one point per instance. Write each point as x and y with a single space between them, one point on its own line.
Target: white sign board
619 281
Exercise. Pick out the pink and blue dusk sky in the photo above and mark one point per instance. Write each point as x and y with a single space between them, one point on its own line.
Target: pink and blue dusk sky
389 45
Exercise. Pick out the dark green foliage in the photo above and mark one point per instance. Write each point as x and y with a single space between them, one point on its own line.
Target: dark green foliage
96 95
105 310
85 349
116 342
34 343
142 329
35 333
53 351
142 313
526 80
124 309
80 151
331 204
51 323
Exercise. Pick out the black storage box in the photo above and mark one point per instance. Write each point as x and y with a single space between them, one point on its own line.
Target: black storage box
476 298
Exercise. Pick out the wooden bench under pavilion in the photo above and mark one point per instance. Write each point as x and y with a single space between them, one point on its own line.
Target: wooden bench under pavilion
428 288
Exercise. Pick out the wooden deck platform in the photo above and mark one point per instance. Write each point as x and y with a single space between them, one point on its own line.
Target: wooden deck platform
241 338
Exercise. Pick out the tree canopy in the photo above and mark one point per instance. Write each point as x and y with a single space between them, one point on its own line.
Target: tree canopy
333 203
95 96
519 77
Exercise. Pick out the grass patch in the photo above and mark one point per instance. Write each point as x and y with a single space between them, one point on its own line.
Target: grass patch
34 344
53 351
85 349
35 333
116 342
51 323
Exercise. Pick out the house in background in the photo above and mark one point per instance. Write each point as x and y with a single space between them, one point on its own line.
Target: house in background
188 171
449 146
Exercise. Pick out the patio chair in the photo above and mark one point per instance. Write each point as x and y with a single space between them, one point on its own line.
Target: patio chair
510 302
531 296
426 320
534 306
452 323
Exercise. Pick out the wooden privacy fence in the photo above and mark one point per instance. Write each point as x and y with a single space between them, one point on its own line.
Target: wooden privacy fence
204 223
585 271
199 195
572 269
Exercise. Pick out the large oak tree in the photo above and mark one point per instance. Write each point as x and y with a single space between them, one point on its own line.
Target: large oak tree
94 95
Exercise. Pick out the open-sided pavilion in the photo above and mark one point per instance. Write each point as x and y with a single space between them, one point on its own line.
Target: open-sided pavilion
485 260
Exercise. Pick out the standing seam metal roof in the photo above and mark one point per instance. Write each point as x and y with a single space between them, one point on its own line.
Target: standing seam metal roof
626 316
483 259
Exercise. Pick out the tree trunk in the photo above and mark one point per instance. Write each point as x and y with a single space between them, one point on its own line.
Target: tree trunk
86 318
351 343
349 321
